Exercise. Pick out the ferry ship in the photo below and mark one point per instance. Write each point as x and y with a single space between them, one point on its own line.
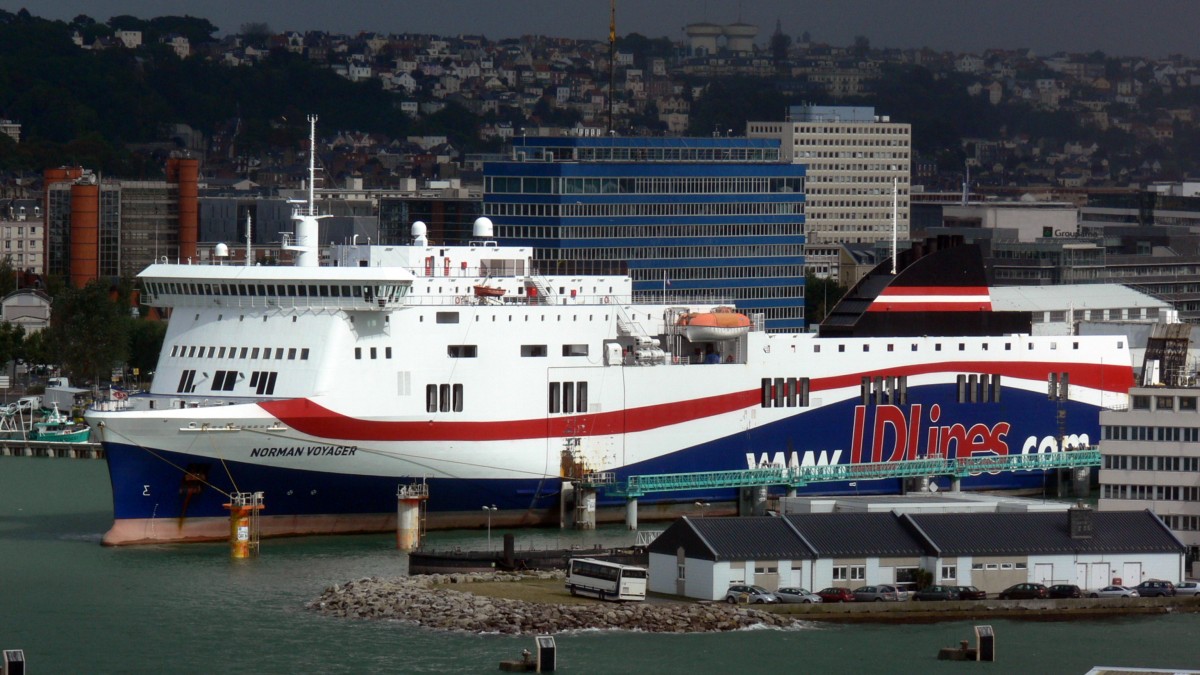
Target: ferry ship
325 386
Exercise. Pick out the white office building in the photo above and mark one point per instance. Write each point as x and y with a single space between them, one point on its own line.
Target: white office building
854 158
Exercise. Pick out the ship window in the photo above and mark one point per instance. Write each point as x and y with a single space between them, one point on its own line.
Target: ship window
243 354
581 392
1074 345
191 352
462 351
373 353
1030 346
962 388
937 347
779 392
291 290
175 350
444 397
357 353
866 348
458 398
962 347
568 391
791 392
431 398
221 353
1008 346
387 353
841 348
995 388
574 350
291 354
447 317
304 353
914 346
891 348
816 349
767 397
212 351
533 350
553 397
279 353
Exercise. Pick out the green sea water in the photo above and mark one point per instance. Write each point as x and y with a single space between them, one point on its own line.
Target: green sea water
74 606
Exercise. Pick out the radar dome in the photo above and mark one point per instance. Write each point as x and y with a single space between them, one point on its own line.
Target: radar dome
483 228
419 229
221 251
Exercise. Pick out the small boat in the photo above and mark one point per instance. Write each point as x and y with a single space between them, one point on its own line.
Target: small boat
482 291
59 428
722 323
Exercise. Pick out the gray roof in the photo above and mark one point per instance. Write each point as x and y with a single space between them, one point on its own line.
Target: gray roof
857 534
751 538
891 535
1044 533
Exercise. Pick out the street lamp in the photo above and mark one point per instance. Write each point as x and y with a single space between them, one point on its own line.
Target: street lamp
703 506
489 510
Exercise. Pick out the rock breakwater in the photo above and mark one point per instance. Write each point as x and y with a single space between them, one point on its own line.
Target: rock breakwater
426 601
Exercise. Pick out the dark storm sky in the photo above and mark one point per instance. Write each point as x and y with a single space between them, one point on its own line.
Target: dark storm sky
1117 27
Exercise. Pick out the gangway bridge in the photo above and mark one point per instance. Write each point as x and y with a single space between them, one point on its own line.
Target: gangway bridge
957 468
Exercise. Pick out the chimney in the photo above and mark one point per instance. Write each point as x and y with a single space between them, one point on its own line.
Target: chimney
1079 519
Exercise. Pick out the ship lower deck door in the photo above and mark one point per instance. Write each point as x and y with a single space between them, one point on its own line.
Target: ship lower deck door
1043 573
1131 574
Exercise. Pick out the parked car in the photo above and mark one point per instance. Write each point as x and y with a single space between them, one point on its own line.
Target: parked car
1024 592
1187 588
797 595
1065 591
876 594
937 593
836 594
1114 592
970 593
1156 588
753 594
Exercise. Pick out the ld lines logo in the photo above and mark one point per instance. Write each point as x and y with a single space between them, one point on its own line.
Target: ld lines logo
909 440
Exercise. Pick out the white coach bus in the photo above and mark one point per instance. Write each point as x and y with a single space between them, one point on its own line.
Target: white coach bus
606 580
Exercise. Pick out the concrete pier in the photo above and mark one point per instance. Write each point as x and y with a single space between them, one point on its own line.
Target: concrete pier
24 448
585 508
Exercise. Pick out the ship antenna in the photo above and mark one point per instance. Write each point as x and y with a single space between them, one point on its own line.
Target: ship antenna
612 55
248 239
312 162
966 184
895 219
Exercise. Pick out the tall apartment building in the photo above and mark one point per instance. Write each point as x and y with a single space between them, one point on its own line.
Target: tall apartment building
853 159
709 219
21 234
110 228
1151 450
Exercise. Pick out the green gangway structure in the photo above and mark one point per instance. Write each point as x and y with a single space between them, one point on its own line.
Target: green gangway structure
633 487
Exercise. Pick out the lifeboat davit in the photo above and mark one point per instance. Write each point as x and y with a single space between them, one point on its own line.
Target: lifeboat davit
722 323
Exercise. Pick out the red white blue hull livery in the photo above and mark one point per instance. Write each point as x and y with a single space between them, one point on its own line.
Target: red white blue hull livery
326 387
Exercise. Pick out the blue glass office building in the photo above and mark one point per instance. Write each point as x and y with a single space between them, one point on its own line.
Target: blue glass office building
709 219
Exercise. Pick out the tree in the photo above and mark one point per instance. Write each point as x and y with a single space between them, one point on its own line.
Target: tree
820 296
145 342
256 34
90 331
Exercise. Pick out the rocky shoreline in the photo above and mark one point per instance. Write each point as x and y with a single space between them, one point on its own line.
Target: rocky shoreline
425 601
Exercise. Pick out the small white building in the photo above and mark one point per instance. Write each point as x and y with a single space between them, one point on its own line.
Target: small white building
702 557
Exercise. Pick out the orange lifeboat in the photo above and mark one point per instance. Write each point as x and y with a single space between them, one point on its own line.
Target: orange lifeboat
482 291
722 323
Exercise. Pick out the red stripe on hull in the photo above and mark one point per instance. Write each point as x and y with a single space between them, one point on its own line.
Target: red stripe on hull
318 421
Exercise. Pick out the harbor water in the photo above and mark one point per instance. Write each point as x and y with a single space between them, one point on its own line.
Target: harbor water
74 606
